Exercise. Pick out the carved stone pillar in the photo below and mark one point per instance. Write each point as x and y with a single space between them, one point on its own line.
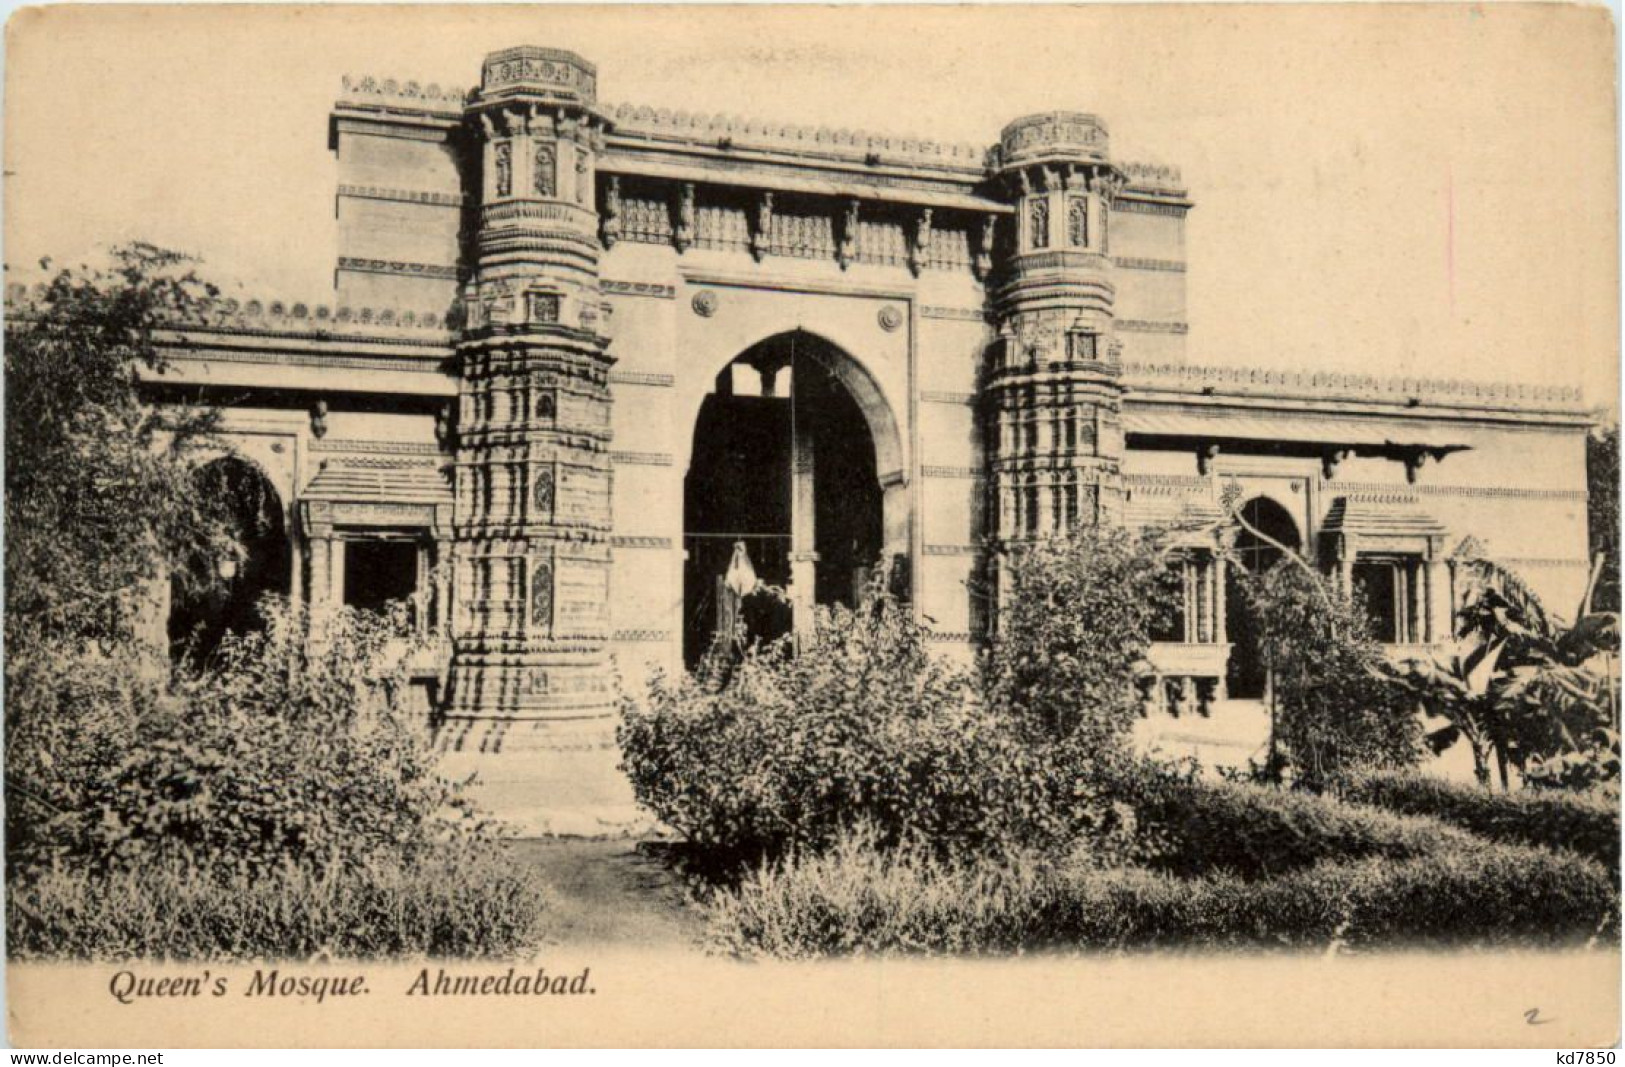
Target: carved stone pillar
1204 628
531 527
316 520
1440 610
1346 553
1051 397
894 510
803 532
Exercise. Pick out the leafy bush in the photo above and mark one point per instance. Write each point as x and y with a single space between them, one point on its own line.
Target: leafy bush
863 725
855 899
281 751
1257 832
100 507
1077 618
1340 706
464 901
72 717
1587 823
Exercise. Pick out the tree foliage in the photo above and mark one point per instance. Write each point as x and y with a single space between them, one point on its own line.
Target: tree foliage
1078 614
1339 705
99 492
1522 686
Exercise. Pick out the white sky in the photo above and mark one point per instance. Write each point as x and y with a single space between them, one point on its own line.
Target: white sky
1427 191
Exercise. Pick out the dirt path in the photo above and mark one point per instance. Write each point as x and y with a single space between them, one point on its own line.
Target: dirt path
606 893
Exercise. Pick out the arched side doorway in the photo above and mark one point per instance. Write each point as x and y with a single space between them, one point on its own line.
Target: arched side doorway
796 457
204 607
1245 676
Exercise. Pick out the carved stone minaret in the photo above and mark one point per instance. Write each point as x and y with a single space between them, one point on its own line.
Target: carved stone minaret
533 478
1050 393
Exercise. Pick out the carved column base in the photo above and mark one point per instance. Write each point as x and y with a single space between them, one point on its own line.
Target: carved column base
489 690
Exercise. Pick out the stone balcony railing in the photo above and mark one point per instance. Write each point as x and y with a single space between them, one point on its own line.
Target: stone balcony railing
1182 678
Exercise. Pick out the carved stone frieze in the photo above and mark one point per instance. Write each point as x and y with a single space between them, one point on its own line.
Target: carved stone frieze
392 266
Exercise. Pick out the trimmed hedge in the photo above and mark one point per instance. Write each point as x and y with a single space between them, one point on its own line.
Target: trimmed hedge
856 900
1584 823
1256 832
464 902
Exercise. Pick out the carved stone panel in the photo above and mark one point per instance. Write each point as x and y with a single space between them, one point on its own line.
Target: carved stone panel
542 495
1038 221
545 176
541 596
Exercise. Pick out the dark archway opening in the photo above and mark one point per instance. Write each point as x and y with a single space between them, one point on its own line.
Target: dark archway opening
1246 676
206 607
748 476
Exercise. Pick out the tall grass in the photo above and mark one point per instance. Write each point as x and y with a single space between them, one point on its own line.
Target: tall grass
459 904
855 899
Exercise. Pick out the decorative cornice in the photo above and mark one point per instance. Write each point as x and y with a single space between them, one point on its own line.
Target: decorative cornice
1326 385
390 266
629 541
642 636
384 448
950 472
935 397
1148 326
404 196
1125 202
961 637
1396 495
654 289
278 318
961 314
641 459
1483 491
1153 178
1135 263
1168 481
747 133
627 377
554 73
1052 137
430 97
429 363
1542 561
950 550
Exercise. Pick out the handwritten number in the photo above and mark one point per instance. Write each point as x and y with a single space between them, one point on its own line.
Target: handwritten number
1532 1017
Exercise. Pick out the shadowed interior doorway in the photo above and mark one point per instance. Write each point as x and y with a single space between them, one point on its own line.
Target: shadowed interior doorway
784 464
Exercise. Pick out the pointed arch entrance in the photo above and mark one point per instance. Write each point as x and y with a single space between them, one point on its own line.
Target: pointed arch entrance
796 457
1245 678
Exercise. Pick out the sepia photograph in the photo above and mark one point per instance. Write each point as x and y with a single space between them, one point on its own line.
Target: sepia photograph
915 526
